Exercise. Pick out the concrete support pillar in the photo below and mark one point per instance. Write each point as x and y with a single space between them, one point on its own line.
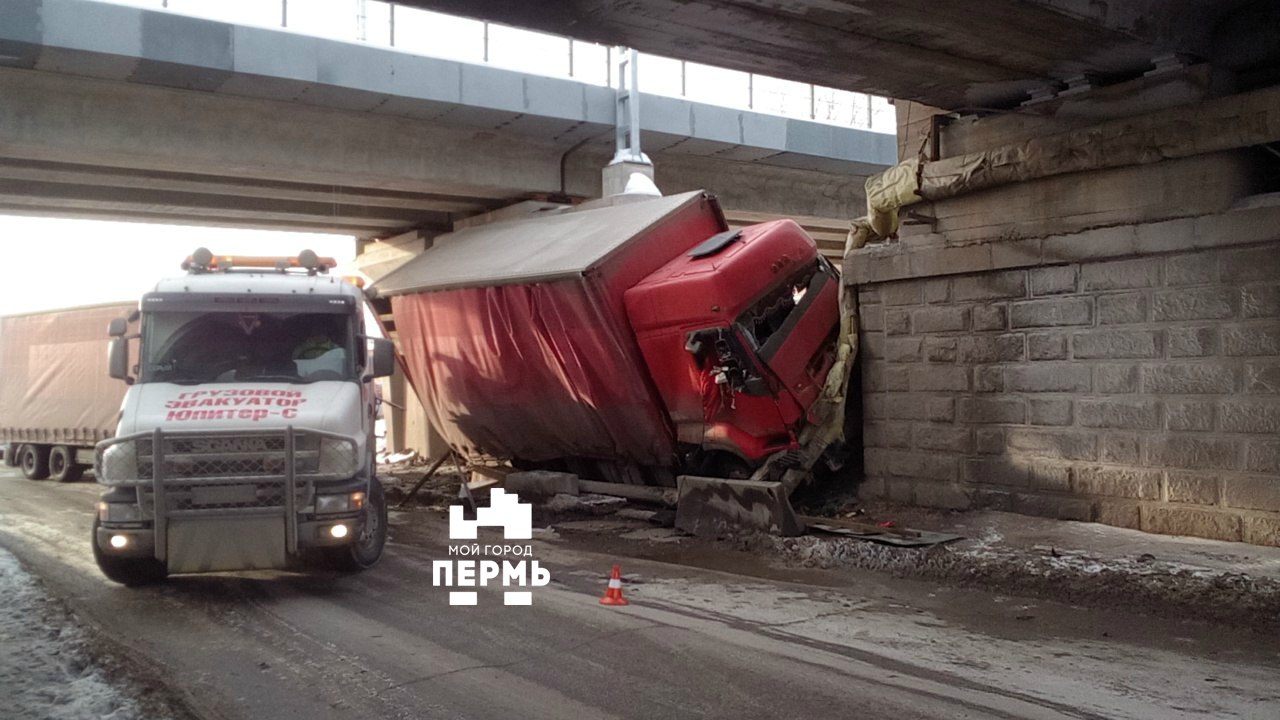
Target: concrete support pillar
1127 374
408 428
616 174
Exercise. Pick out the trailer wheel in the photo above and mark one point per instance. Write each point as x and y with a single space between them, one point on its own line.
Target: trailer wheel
35 461
130 572
11 454
365 552
62 464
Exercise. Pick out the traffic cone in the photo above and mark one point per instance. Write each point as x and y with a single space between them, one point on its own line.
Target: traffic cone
613 596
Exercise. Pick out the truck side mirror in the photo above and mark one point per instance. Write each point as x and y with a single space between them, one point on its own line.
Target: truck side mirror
118 327
384 358
118 359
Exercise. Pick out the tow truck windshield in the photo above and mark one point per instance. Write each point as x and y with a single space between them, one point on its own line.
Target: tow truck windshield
223 347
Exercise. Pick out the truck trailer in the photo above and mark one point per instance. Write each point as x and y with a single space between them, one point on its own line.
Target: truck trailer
56 400
639 341
245 438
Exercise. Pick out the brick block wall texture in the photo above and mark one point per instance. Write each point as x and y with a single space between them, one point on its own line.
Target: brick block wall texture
1141 393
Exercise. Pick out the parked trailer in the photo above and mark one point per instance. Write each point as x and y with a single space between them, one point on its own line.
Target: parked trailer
56 399
642 342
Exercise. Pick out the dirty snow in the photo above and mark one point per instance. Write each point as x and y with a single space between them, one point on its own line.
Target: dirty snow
46 668
1165 587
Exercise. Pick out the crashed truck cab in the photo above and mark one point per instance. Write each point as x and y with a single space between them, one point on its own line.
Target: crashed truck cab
738 334
246 434
639 342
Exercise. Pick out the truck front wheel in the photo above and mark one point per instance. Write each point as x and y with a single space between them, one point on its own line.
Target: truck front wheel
365 552
131 572
35 461
62 464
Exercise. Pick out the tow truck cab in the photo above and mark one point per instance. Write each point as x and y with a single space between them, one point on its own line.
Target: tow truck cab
246 434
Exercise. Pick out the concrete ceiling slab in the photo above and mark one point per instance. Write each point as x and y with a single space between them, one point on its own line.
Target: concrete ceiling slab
414 108
823 165
340 98
75 62
963 54
268 88
698 146
746 153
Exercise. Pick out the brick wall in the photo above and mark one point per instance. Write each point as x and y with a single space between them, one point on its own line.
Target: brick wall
1143 393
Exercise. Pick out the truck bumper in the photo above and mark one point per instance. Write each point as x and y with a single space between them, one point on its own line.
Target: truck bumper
228 533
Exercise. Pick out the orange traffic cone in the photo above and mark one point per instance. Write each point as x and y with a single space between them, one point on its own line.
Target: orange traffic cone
613 596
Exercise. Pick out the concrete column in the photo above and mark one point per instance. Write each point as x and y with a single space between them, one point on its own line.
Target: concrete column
616 175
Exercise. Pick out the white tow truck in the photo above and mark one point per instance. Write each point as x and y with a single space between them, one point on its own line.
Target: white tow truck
246 435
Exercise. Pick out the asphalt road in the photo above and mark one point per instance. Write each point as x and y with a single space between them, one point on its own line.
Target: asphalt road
741 641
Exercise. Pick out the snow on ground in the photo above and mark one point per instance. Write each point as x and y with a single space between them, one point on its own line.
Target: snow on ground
46 668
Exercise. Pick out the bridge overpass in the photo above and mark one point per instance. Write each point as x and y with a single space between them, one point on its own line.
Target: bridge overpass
1084 323
118 112
1083 320
970 55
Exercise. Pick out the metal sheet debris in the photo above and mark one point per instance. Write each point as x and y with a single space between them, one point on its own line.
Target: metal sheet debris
902 537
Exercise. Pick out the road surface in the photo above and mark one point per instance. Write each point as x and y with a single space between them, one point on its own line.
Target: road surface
710 633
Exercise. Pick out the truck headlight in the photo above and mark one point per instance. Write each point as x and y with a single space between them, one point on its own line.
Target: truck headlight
346 502
338 458
118 464
119 512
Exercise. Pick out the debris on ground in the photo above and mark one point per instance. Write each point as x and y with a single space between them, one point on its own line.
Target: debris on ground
1087 564
588 504
438 493
404 457
886 533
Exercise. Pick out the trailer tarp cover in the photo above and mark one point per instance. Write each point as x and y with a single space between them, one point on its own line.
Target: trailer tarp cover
538 249
516 335
54 386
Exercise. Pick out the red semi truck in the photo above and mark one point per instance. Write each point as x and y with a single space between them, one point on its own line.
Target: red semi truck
634 342
56 399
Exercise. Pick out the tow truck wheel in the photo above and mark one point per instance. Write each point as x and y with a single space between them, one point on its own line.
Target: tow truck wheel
365 552
131 572
35 461
62 464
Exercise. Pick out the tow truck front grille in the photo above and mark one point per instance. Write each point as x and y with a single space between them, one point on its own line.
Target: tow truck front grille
224 496
229 456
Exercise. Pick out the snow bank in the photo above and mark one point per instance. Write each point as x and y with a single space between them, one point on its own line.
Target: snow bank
46 670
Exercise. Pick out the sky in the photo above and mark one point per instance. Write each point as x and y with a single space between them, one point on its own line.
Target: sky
51 263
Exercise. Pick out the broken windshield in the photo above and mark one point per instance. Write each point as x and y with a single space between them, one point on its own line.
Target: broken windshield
779 307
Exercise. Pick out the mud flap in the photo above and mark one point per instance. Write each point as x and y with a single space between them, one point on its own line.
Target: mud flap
711 506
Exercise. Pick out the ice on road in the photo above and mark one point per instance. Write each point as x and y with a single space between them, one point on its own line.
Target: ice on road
47 671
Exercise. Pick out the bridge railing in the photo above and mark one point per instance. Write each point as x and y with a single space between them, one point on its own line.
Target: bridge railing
423 32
